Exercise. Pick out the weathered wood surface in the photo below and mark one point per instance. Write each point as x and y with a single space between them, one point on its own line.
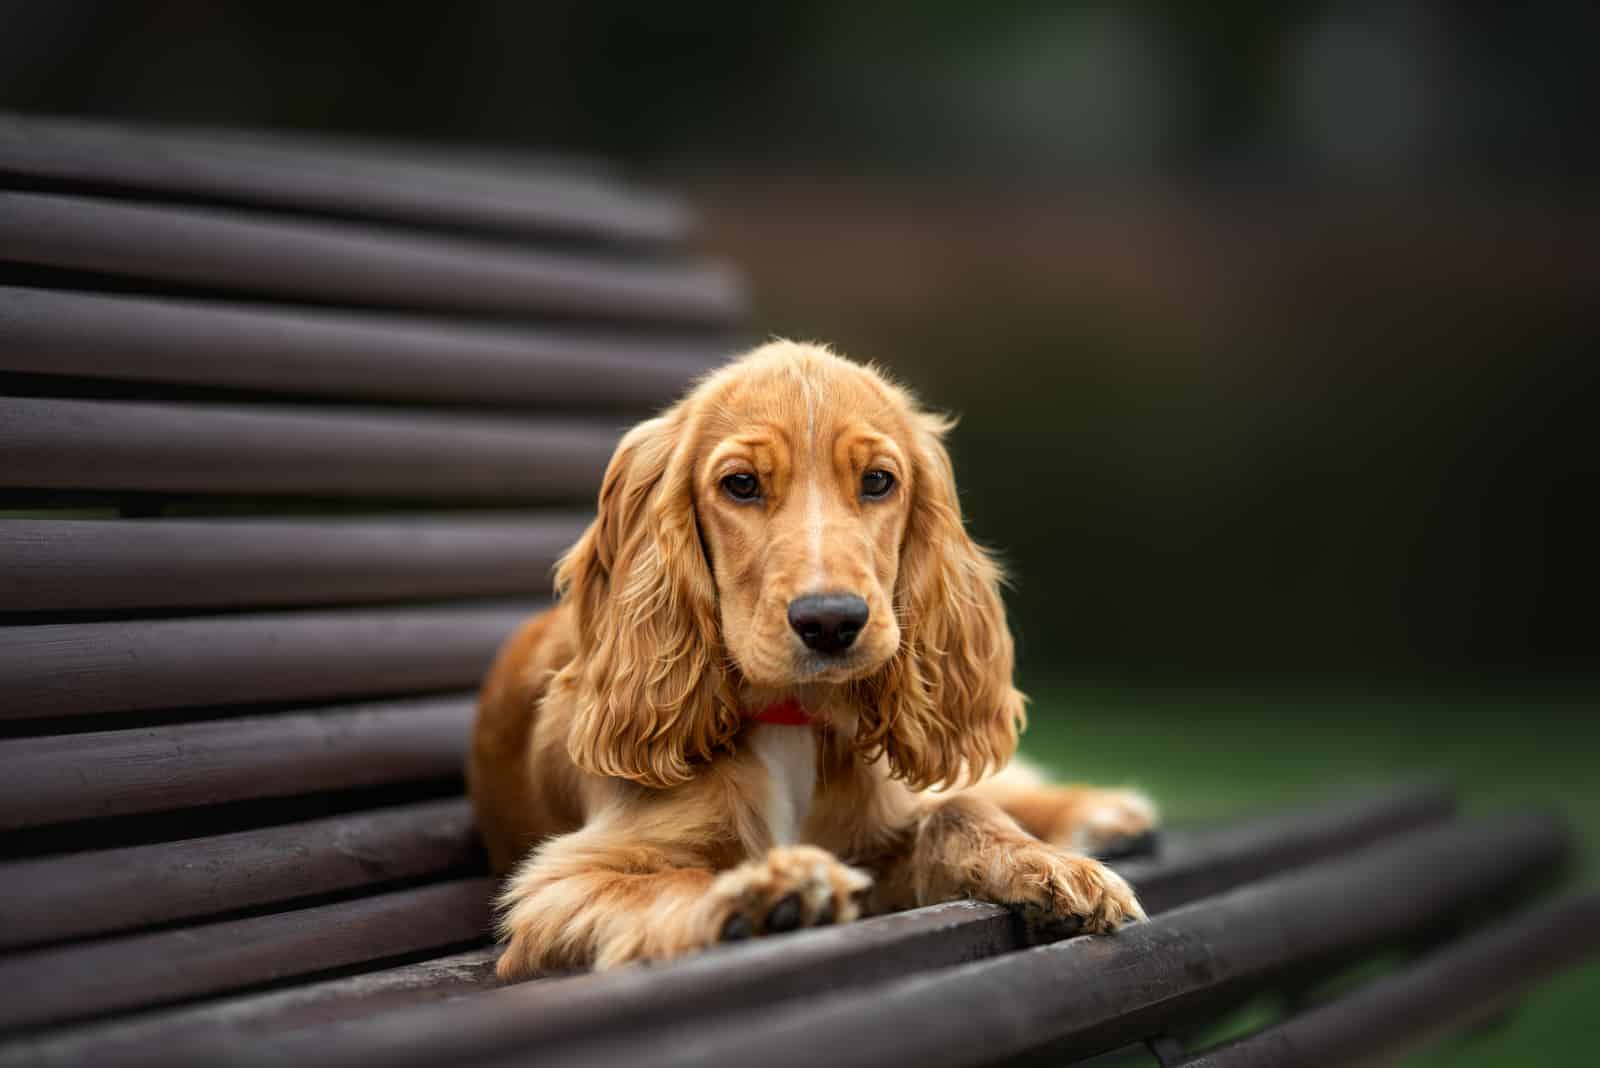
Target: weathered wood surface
108 890
747 980
95 669
52 986
344 354
1446 990
240 1020
103 774
1088 995
1203 863
277 449
80 565
354 178
356 265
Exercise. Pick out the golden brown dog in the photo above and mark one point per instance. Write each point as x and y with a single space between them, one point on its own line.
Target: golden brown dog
777 667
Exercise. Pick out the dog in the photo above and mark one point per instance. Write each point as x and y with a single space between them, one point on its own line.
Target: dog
775 692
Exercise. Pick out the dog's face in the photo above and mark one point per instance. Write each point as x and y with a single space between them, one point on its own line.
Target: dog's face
802 493
790 524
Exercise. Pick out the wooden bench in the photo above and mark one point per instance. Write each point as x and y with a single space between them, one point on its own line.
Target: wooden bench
290 435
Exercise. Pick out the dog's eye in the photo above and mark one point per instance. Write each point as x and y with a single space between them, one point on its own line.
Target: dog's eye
876 484
742 486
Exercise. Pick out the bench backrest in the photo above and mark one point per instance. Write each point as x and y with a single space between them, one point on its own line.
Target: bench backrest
290 436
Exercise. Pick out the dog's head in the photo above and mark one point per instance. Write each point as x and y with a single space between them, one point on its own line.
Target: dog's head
791 524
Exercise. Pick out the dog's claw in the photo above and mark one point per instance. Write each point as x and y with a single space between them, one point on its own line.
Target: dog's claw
785 915
737 929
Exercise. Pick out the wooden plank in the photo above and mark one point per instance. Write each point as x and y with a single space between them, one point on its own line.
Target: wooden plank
152 769
54 986
1096 993
109 890
750 978
1447 990
210 448
344 263
388 357
359 179
1189 867
73 565
241 1020
87 669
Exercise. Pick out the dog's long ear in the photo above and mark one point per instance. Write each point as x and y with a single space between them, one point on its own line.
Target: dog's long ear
649 694
943 710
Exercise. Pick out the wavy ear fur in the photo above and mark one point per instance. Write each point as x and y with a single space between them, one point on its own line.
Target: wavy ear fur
650 696
943 710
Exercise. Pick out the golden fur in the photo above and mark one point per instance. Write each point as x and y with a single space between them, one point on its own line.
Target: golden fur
614 769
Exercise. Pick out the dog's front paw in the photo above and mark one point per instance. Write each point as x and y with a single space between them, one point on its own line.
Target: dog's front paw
1108 823
791 887
1057 895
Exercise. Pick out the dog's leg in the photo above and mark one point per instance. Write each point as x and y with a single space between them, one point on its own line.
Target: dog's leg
1086 819
964 846
609 893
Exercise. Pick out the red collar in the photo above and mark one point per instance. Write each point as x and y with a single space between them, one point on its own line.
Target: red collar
787 713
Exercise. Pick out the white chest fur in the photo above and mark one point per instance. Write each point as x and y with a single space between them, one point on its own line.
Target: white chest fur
790 757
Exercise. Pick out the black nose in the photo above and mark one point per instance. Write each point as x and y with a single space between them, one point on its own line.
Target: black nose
828 622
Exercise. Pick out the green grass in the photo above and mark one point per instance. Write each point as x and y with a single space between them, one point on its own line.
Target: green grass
1211 755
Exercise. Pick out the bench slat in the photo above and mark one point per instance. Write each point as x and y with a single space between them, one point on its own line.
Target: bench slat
758 974
345 263
110 890
206 448
54 986
1087 995
88 669
341 354
368 180
1449 989
241 1018
77 565
152 769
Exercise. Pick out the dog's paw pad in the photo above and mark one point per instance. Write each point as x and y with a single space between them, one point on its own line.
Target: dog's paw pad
790 888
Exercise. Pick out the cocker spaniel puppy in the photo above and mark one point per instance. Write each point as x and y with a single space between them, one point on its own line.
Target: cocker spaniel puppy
776 670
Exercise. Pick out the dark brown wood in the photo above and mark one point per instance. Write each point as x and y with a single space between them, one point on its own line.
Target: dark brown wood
151 769
360 179
1446 990
1191 866
110 890
53 986
77 565
89 669
212 448
284 350
1088 995
345 263
240 1020
750 978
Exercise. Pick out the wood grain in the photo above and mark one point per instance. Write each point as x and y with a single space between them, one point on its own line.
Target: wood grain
531 195
91 669
79 565
356 265
346 354
54 779
299 450
53 986
109 890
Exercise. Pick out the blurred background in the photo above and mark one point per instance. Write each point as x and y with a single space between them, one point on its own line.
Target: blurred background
1272 327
